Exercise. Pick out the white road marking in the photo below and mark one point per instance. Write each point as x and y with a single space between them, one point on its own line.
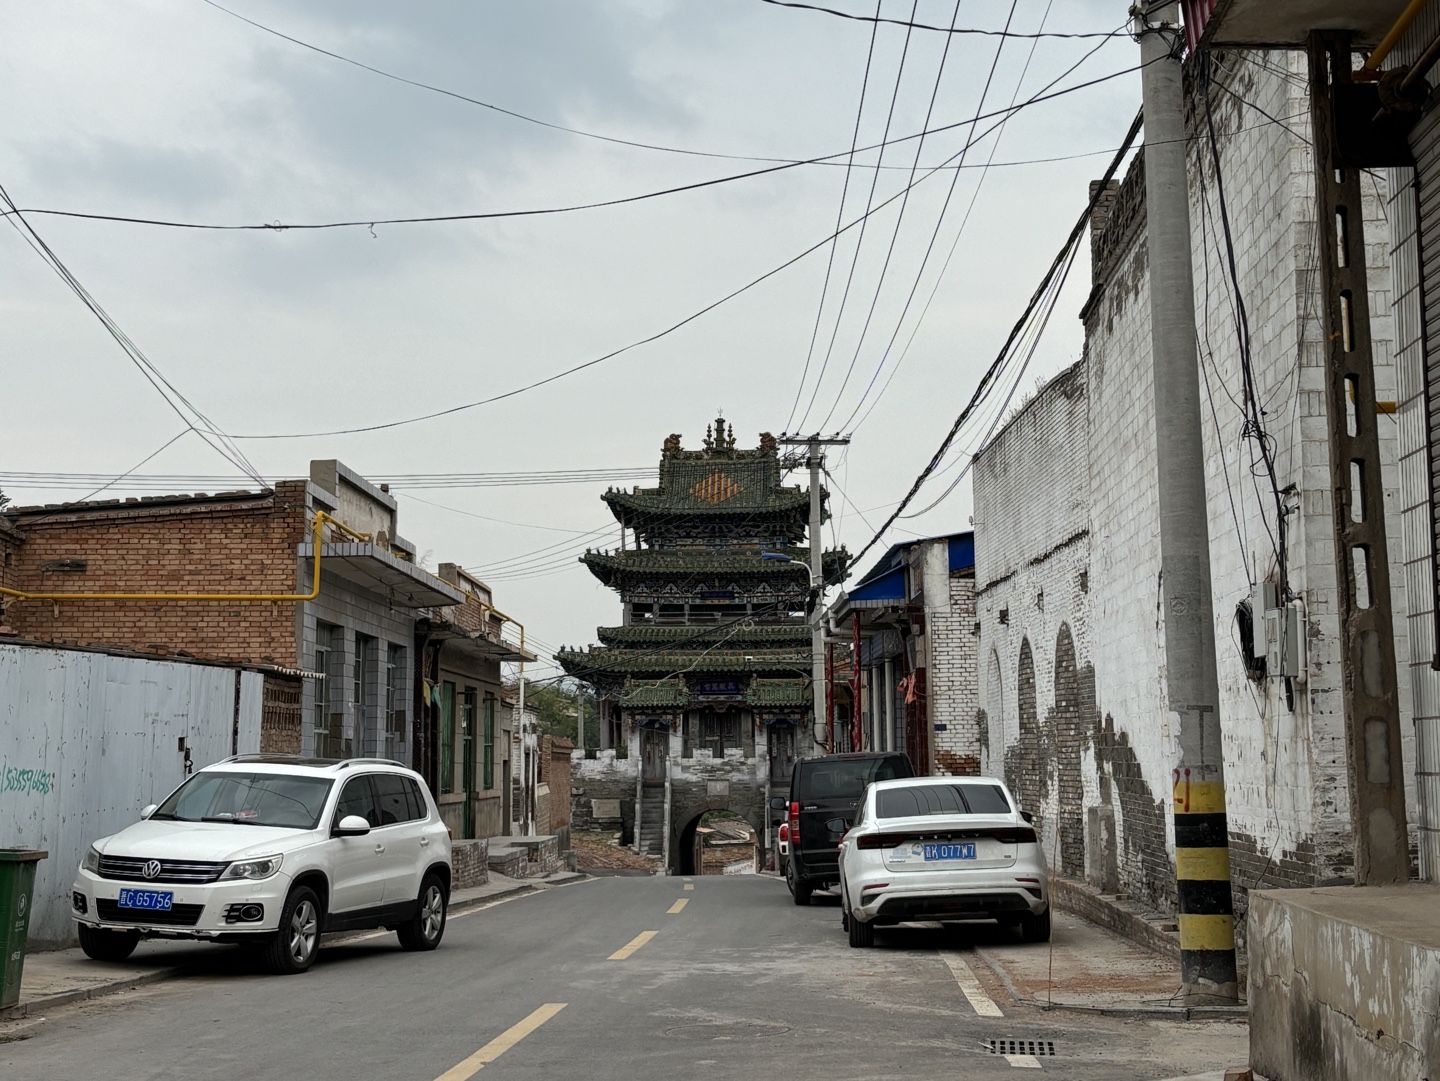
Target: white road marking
1029 1062
982 1003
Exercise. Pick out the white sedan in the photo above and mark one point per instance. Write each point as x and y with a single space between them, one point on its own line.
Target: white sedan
942 848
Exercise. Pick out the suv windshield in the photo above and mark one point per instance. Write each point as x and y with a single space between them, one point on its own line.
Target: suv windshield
913 801
845 778
248 799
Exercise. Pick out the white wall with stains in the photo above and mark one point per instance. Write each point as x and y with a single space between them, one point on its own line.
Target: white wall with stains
88 738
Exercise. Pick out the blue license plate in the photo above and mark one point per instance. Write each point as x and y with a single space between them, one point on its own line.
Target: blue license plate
149 900
950 852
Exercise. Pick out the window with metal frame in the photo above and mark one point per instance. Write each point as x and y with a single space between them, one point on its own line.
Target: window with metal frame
469 701
328 720
366 686
395 712
447 737
487 779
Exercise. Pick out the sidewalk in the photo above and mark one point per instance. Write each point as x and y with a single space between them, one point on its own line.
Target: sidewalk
59 977
1089 968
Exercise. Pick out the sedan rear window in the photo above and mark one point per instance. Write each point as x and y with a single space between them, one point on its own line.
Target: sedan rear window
914 801
248 799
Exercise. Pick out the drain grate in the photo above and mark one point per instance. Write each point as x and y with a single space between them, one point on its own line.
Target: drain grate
1021 1047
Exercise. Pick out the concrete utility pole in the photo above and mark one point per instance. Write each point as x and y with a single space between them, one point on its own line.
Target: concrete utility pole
816 460
1202 855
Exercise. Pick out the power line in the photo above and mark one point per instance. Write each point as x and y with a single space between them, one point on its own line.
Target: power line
169 482
501 110
839 217
185 409
869 202
371 222
999 129
899 218
988 378
673 327
952 29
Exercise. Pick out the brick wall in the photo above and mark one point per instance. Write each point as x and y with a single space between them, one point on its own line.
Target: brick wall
1072 684
952 679
209 545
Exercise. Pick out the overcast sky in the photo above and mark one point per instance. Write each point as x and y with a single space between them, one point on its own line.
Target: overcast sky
174 109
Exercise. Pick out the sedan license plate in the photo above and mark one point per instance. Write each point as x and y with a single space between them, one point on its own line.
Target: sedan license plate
964 851
149 900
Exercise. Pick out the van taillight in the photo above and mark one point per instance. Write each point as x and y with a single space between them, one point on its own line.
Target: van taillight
795 820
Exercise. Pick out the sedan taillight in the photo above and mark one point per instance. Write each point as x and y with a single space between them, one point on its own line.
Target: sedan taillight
880 840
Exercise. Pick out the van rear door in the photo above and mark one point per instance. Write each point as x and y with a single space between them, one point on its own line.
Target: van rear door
830 788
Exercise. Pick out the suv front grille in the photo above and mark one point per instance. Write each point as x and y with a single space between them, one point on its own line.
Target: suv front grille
132 869
177 916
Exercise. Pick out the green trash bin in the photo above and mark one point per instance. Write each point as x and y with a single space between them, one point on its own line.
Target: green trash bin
17 889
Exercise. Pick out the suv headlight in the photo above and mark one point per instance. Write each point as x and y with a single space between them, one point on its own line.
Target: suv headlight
263 867
91 862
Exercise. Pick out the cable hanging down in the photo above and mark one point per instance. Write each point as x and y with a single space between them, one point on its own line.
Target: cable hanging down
988 379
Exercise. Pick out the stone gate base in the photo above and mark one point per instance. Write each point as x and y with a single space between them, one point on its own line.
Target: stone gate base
1345 983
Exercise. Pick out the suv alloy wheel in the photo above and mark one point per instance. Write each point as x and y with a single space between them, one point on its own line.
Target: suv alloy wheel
424 929
293 946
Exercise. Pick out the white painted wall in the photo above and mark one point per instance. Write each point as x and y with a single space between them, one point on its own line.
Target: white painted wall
87 739
1068 488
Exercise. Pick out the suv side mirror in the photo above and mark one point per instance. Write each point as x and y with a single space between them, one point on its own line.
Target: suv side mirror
148 810
351 826
778 803
1028 817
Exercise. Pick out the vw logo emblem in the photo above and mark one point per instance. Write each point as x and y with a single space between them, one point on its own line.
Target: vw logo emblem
151 869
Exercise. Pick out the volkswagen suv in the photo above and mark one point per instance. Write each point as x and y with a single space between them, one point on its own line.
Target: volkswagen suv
271 851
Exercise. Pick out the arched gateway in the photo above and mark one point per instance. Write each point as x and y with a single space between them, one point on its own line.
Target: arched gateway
703 687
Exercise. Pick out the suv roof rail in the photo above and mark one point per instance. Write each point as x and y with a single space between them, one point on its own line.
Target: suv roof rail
348 762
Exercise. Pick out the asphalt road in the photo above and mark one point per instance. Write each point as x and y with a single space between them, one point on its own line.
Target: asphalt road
640 979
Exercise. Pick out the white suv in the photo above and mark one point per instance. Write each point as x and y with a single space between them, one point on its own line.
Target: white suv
271 851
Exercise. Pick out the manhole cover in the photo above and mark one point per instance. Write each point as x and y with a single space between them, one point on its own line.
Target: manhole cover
727 1030
1021 1047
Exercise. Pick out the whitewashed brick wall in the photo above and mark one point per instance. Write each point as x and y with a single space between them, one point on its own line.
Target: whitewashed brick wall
1067 534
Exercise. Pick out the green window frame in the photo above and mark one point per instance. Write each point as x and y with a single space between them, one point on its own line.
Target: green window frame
469 700
447 737
487 779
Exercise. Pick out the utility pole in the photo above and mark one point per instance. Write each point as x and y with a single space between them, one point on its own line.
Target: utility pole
815 460
1367 636
1202 854
526 793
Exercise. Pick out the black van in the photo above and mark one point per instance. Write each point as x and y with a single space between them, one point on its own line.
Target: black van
822 791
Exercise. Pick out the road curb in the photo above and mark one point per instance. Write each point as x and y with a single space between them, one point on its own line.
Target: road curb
23 1010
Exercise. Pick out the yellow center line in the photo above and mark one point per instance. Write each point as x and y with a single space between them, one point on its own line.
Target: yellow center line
688 886
625 950
677 906
501 1043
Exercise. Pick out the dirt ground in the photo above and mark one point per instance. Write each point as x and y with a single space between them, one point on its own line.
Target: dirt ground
600 850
